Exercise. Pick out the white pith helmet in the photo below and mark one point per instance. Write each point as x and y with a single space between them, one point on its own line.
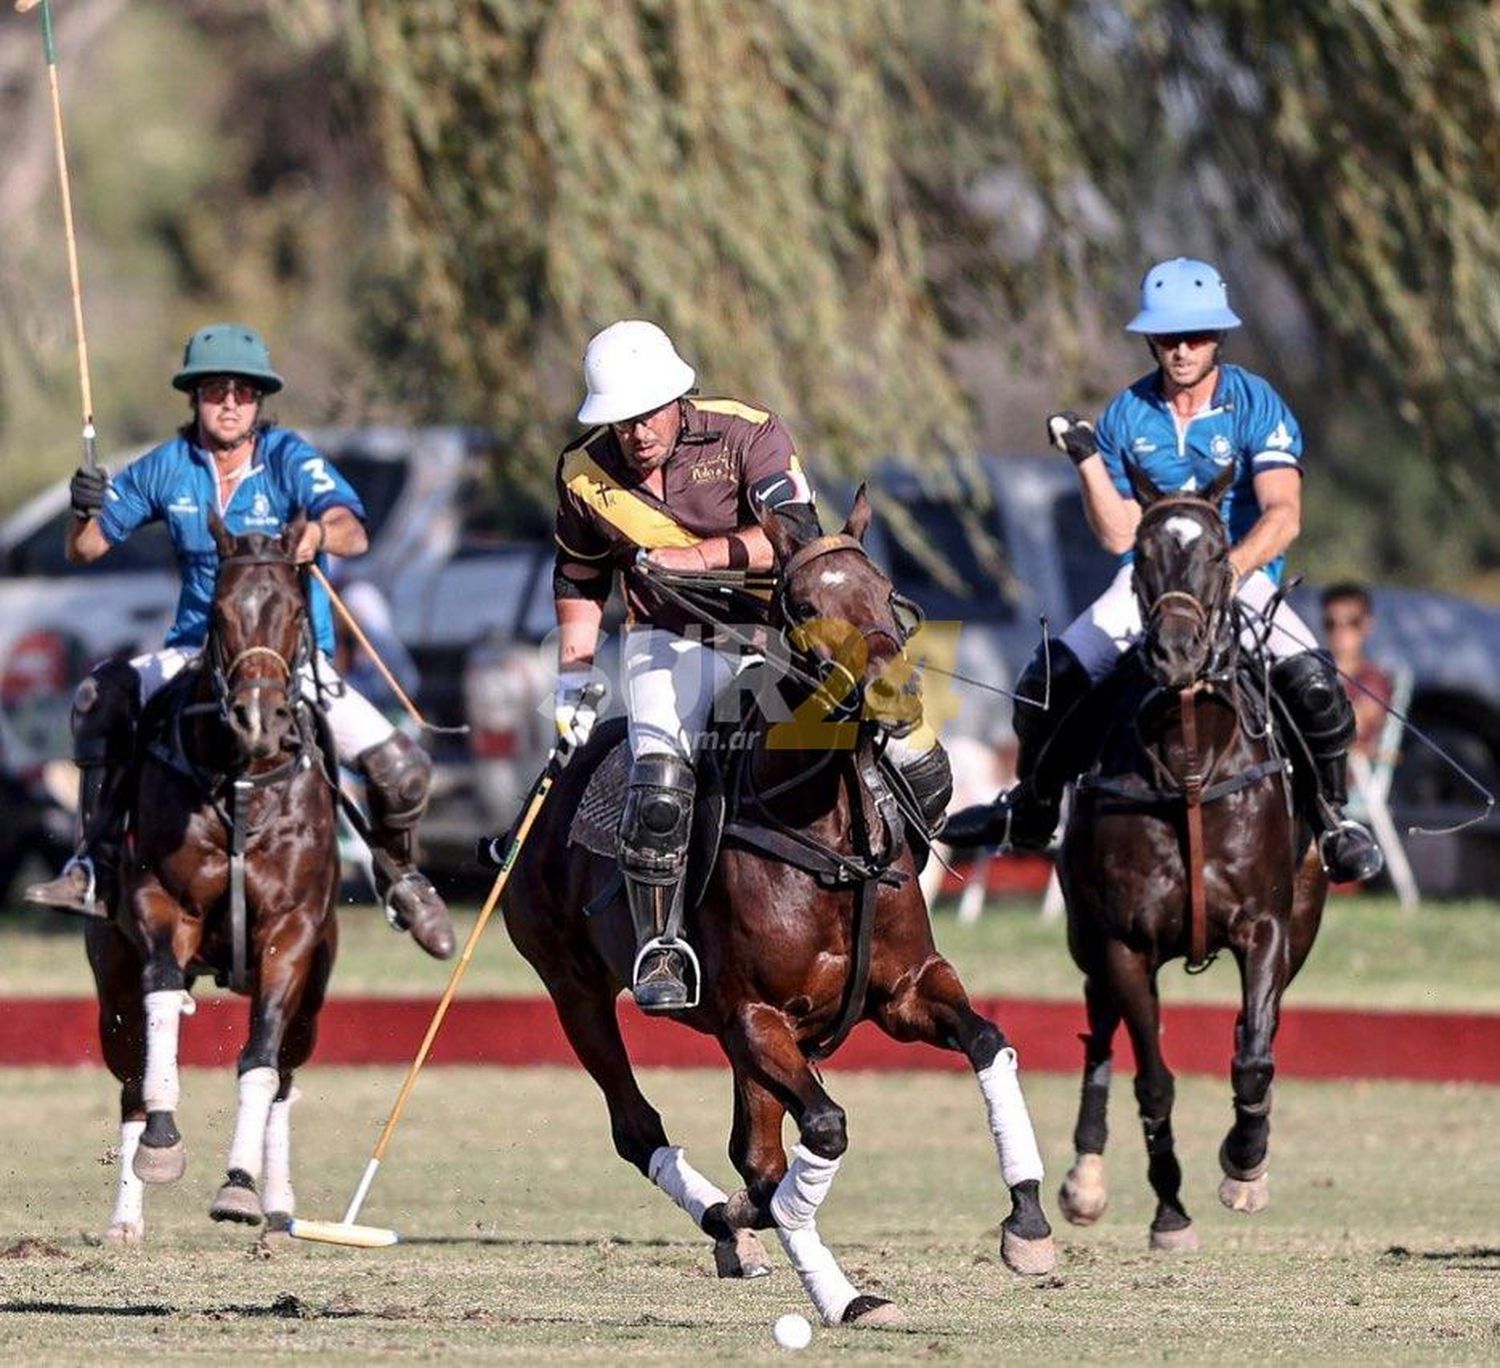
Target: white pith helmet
629 369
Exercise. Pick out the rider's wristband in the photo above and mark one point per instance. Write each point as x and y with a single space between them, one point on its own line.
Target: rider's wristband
739 553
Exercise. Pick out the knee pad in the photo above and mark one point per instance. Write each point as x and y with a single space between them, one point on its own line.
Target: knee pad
398 777
106 708
1069 682
657 820
1314 695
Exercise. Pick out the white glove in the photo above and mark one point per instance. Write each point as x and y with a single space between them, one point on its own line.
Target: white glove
575 707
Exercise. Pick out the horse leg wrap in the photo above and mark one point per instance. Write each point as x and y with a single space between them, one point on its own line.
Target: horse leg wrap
130 1208
258 1088
672 1173
276 1191
794 1205
1010 1122
164 1011
802 1188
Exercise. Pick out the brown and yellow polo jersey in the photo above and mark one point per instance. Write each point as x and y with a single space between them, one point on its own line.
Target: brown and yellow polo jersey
726 451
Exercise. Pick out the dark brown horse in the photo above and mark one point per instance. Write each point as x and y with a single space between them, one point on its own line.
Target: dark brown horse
812 853
1181 844
231 759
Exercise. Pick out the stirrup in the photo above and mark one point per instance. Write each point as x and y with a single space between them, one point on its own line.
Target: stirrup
87 905
693 978
1373 857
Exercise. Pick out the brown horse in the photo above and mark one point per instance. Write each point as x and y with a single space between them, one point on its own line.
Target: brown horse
811 920
1182 843
233 870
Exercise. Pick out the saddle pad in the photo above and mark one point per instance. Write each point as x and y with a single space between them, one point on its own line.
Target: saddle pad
596 823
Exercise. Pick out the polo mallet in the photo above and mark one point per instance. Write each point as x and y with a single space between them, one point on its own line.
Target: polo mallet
49 51
343 611
346 1232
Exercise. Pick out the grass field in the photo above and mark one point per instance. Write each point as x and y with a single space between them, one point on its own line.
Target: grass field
1369 953
526 1238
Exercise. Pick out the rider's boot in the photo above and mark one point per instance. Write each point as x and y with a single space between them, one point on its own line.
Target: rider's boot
923 763
104 715
398 775
654 834
1025 816
1309 685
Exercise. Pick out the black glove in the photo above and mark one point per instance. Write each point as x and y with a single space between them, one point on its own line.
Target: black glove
86 489
1071 434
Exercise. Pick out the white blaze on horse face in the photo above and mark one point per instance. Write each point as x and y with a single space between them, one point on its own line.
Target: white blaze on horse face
831 579
1185 530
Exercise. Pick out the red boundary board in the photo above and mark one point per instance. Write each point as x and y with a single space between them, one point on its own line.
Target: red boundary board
1314 1042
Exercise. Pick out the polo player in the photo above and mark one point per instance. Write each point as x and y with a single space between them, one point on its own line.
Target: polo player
231 461
683 483
1181 425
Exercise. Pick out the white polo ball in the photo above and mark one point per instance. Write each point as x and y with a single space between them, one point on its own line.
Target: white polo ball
792 1331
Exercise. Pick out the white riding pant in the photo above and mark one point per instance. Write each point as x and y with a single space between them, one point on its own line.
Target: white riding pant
1111 625
356 723
671 682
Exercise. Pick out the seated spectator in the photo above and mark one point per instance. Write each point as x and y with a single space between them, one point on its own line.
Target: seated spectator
1347 621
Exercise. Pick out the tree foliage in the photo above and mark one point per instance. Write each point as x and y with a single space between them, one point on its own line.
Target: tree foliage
821 200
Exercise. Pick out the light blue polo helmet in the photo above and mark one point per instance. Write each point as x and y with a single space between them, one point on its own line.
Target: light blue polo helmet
1183 296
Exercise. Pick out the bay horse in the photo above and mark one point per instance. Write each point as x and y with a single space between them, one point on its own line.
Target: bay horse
812 919
232 869
1181 843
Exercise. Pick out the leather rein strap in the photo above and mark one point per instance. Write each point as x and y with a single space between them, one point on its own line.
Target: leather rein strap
1192 792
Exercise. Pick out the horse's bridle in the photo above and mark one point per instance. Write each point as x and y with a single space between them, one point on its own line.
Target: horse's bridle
1211 618
906 616
223 676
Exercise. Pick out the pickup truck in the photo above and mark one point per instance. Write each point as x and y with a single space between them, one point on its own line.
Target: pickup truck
466 570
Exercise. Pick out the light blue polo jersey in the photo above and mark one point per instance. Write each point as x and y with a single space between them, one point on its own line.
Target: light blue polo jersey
175 482
1247 425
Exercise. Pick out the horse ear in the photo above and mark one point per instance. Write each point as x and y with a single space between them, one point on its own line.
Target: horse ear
291 534
223 541
1146 492
1220 485
859 517
781 534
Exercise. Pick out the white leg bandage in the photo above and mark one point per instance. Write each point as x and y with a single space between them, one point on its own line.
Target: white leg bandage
682 1182
794 1205
257 1092
276 1190
1010 1122
130 1209
164 1011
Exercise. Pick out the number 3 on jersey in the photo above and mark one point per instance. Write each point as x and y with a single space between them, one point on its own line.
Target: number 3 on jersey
322 481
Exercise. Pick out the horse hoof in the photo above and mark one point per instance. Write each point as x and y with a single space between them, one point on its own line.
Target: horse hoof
1084 1194
237 1200
1183 1241
741 1256
164 1165
125 1233
872 1313
1246 1175
1250 1196
1030 1258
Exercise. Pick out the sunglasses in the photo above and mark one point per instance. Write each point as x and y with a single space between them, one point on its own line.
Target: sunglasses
1171 341
1333 624
217 391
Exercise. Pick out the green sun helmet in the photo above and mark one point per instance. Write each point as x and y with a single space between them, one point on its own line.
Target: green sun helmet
227 349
